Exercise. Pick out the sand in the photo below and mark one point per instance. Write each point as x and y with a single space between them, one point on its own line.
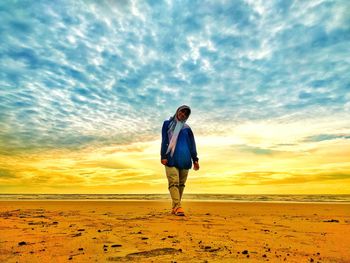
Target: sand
145 231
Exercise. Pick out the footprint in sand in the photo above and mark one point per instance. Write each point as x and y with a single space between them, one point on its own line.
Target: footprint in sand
146 254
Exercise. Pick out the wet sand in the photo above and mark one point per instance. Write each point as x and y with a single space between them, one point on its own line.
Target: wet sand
146 231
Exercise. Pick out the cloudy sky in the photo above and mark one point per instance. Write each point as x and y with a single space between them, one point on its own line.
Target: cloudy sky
86 85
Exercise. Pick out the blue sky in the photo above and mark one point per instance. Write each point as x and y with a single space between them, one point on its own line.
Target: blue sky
77 72
268 78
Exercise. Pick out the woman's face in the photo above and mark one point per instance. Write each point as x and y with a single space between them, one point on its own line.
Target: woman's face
182 115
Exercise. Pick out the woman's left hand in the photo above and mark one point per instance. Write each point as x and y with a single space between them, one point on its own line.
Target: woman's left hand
196 166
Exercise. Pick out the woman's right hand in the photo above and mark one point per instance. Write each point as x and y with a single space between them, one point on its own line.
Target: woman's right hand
164 161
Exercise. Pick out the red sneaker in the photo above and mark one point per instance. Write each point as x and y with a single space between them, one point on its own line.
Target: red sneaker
179 211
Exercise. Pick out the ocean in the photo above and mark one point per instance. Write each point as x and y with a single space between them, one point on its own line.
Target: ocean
326 198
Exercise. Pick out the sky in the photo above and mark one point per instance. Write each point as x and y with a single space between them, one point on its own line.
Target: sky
86 85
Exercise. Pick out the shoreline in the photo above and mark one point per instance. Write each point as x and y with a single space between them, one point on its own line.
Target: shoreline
169 200
273 198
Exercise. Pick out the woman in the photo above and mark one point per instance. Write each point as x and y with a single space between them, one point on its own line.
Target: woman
177 150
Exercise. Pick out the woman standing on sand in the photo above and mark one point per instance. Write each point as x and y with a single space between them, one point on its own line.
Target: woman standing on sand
177 150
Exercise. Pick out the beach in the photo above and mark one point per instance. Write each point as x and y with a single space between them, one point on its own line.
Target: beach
146 231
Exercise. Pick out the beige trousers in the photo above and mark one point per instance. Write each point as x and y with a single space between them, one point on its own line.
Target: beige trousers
176 182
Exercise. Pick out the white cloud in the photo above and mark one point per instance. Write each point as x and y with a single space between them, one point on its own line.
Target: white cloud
97 74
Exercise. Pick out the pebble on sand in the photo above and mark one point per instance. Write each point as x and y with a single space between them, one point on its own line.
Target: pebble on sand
332 221
116 245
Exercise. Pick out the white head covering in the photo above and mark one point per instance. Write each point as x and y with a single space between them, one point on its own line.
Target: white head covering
174 129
